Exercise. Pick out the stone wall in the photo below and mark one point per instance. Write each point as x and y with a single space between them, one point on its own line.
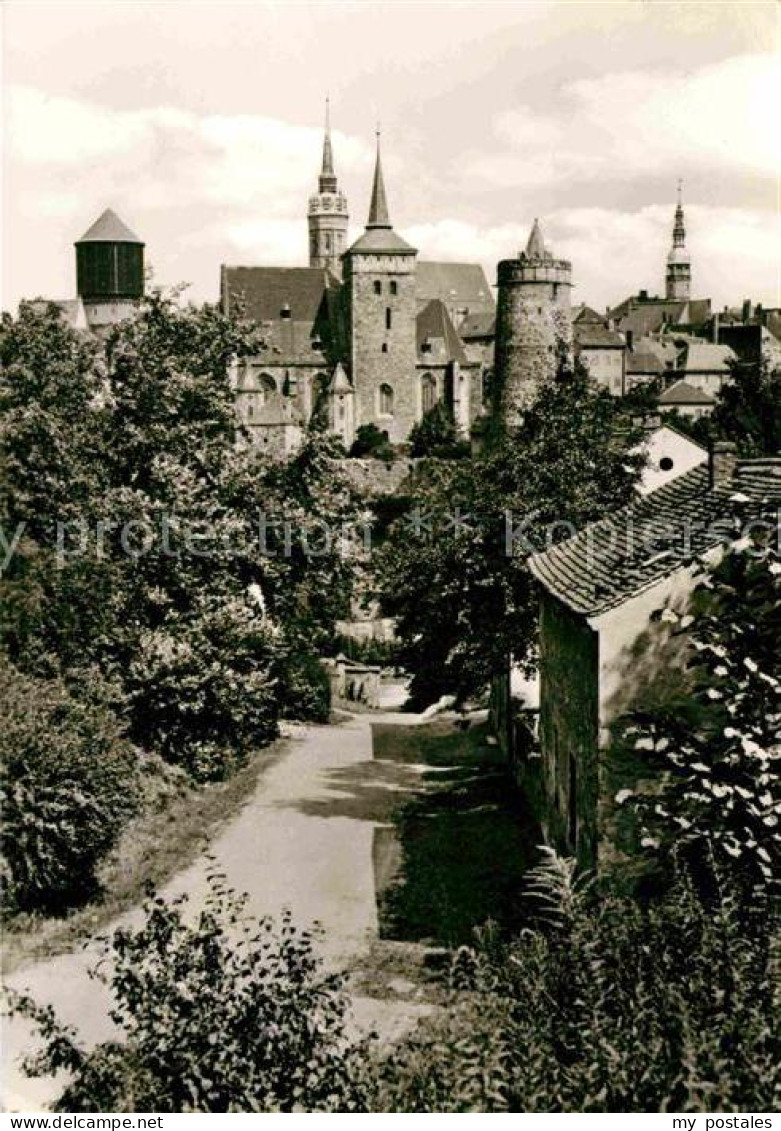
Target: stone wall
569 729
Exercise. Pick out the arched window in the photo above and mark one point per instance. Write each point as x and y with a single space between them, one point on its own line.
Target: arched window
428 392
386 400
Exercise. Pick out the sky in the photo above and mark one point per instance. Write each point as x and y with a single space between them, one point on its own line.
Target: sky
201 125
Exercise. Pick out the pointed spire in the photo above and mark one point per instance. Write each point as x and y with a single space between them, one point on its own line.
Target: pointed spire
328 157
679 229
535 248
378 209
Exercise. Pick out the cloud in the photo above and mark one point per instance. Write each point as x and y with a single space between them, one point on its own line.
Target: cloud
631 124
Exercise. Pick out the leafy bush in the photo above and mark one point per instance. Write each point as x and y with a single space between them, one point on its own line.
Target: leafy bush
305 688
200 690
717 800
370 441
436 435
226 1014
606 1007
69 786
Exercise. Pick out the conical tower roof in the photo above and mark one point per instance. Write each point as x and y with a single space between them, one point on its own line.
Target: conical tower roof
378 208
379 235
535 246
327 174
108 228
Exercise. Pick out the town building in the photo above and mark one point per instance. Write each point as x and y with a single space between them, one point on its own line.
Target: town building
602 651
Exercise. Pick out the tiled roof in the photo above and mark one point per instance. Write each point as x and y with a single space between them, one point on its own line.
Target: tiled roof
583 313
108 228
457 284
681 392
478 326
435 328
706 357
306 292
649 355
612 560
595 335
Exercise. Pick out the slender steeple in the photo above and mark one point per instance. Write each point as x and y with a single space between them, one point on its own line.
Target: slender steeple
678 277
378 209
327 179
535 247
327 215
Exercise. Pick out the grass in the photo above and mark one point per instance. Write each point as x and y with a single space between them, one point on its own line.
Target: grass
176 828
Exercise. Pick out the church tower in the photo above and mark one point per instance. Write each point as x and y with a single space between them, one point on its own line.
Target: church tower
532 321
678 280
381 308
327 213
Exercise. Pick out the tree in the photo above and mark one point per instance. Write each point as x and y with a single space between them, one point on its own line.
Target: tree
748 409
223 1014
718 801
370 441
452 571
436 435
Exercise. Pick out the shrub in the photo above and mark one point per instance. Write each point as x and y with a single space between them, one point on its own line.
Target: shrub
436 435
608 1006
68 787
201 690
227 1014
305 687
370 441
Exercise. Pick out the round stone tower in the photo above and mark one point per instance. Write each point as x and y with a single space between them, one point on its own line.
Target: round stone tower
109 271
327 215
532 322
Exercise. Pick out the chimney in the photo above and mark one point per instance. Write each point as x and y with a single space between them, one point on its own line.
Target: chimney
747 310
715 329
723 463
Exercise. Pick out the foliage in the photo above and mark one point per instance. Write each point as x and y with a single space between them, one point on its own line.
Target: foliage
611 1007
452 570
222 1013
68 788
436 435
748 409
718 799
161 580
370 441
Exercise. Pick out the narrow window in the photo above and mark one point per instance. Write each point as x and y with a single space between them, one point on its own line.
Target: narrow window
387 318
377 287
384 347
386 400
394 287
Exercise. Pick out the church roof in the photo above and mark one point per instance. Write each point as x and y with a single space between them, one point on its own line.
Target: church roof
435 329
478 326
461 285
621 555
292 305
108 228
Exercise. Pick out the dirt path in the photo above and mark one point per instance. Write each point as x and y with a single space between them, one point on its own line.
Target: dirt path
301 842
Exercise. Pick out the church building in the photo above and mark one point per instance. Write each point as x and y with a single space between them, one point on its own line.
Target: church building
364 335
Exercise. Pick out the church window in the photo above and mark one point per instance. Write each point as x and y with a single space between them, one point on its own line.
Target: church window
377 287
428 392
386 400
268 387
388 318
394 287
